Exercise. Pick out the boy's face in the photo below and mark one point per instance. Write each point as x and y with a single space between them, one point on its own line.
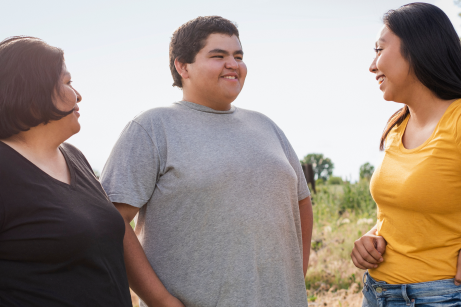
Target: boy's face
218 73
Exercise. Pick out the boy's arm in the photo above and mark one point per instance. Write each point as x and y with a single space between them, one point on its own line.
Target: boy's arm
141 277
307 220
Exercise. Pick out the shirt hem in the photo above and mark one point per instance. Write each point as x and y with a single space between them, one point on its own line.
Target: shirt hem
119 198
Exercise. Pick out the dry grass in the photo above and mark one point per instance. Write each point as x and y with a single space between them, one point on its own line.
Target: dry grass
340 298
134 299
332 279
342 213
330 266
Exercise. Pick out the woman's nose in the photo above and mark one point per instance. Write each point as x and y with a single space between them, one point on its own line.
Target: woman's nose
373 67
79 97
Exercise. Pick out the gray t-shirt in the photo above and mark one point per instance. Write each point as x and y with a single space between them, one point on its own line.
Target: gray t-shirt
218 192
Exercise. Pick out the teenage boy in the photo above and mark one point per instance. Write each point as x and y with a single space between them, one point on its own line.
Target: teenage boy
225 217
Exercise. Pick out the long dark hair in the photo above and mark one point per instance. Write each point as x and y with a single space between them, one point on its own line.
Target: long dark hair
432 47
30 71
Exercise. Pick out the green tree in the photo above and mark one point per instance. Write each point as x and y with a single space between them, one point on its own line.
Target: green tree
323 167
335 180
366 170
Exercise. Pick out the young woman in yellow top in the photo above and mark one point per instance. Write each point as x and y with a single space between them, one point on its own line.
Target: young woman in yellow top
413 252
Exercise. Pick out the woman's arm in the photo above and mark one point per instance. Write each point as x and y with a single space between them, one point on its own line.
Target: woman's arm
307 220
141 276
368 250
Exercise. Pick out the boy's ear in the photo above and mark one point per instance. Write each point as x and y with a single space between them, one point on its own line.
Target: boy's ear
181 68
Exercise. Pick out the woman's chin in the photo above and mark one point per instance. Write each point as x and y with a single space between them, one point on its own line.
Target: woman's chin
76 128
387 96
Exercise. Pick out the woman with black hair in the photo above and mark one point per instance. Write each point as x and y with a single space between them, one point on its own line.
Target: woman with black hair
413 252
61 239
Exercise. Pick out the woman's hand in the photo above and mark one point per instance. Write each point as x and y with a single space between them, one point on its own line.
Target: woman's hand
368 250
458 271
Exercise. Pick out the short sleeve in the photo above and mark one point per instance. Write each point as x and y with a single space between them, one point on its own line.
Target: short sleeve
131 172
303 189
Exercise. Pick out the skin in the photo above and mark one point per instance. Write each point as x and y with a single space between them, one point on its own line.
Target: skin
426 109
307 221
204 80
204 84
40 144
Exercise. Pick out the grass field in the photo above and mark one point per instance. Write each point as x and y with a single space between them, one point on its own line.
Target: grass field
342 213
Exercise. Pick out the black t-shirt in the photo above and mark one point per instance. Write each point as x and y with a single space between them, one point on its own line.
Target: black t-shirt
60 244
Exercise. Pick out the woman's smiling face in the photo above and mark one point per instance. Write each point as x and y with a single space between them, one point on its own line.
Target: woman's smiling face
396 79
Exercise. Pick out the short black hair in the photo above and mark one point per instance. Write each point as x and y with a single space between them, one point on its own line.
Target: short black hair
30 71
432 47
190 38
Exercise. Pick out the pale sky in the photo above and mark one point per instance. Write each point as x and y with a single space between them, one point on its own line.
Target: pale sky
307 66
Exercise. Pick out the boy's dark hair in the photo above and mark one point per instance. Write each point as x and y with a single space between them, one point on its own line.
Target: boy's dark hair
30 71
191 37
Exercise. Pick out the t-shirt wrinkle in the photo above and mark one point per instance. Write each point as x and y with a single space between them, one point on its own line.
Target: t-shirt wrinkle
285 149
153 143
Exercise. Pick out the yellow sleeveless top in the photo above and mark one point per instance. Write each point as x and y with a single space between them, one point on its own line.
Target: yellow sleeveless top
418 193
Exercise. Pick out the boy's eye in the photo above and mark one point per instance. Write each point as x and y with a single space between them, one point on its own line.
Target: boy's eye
218 56
239 58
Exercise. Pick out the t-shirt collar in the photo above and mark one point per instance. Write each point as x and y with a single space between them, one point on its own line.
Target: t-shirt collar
203 108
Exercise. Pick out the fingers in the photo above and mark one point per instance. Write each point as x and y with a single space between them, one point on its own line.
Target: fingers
381 245
363 259
366 247
367 251
360 262
372 250
356 263
458 271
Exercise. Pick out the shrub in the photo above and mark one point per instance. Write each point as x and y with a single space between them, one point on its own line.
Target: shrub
335 180
319 181
342 213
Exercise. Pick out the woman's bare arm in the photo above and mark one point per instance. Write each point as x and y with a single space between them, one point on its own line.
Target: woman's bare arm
141 277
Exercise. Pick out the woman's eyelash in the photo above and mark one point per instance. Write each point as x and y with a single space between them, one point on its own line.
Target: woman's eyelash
377 49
